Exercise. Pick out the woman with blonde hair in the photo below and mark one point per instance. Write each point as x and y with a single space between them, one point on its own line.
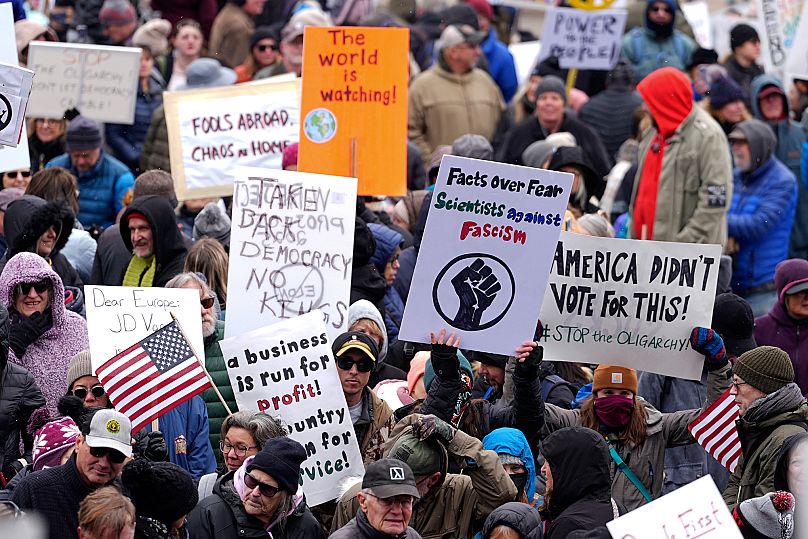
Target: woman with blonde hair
46 140
208 257
106 514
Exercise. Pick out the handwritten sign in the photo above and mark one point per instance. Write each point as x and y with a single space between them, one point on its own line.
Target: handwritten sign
629 302
583 39
99 80
354 106
778 20
11 158
211 131
287 370
796 65
486 253
291 248
694 510
119 316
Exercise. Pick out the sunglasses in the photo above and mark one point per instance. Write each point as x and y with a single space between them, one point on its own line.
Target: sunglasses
363 365
13 174
82 392
266 490
115 457
40 287
207 302
263 48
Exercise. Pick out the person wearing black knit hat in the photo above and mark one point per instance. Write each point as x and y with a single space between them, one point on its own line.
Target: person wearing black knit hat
726 103
163 494
264 52
742 66
772 408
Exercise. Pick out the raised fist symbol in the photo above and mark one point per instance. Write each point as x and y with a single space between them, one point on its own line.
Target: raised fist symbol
476 286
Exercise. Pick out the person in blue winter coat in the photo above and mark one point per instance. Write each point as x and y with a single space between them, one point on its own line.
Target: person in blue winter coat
501 66
516 457
770 104
388 249
761 214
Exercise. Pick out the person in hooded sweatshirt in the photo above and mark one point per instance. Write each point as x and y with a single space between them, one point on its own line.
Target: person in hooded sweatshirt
366 281
364 317
762 212
684 172
517 520
516 457
385 259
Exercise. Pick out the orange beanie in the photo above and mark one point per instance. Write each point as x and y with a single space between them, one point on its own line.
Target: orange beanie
615 377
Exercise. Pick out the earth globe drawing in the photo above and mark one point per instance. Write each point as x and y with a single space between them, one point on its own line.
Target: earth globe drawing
320 125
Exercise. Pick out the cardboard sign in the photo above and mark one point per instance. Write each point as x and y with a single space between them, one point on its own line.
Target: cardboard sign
11 158
698 15
778 21
99 80
354 107
486 253
583 39
291 248
15 87
211 131
629 302
694 510
287 370
119 316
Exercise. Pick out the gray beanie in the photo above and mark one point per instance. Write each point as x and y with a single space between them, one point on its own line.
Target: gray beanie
551 83
473 146
83 134
80 365
770 515
213 223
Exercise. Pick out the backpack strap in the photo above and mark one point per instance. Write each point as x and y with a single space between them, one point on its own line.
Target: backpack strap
629 473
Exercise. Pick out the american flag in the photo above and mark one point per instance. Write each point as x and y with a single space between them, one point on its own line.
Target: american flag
153 376
716 432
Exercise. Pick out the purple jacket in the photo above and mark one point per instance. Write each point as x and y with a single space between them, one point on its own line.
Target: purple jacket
46 358
779 329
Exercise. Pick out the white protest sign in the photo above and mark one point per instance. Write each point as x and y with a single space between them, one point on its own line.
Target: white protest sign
525 57
777 22
99 80
694 510
483 263
287 370
583 39
796 65
291 248
120 316
11 158
212 131
15 87
698 15
629 302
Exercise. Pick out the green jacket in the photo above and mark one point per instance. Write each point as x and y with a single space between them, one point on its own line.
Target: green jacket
214 363
155 154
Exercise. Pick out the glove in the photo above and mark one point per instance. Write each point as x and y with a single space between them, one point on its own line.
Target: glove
429 425
22 334
150 446
709 343
529 368
445 362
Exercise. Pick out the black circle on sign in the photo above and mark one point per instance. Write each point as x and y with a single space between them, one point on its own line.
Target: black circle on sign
7 121
454 261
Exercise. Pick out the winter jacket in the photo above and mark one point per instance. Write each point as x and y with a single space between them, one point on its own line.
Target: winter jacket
416 175
799 233
366 281
510 441
373 426
80 251
743 76
387 241
518 516
126 140
46 358
444 105
647 459
214 363
408 257
101 189
778 328
611 114
155 153
458 504
27 218
111 258
501 65
762 430
230 35
42 152
359 528
581 497
222 516
169 247
86 13
202 11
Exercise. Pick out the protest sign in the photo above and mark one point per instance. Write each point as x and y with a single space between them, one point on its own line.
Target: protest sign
99 80
15 87
583 39
211 131
778 20
354 106
119 316
629 302
483 263
698 16
796 66
525 56
694 510
287 370
11 158
291 248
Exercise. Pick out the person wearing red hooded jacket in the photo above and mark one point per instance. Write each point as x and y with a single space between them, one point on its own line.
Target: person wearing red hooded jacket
684 178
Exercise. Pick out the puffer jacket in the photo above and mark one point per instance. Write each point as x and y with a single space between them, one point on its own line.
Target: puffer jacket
155 154
501 65
518 516
214 363
101 189
647 459
458 504
387 241
48 357
126 141
762 430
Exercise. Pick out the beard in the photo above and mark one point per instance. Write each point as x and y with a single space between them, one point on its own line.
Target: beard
208 325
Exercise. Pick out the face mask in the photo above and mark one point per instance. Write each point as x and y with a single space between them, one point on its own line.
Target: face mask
614 411
520 480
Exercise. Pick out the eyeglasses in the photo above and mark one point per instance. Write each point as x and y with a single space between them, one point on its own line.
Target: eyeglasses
394 259
115 457
363 365
207 302
240 450
22 173
265 489
403 500
737 385
24 289
263 48
82 392
45 121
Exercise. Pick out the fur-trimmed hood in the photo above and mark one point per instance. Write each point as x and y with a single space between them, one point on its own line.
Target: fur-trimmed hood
28 217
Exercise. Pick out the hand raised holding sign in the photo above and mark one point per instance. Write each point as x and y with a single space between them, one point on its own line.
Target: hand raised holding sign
476 287
444 355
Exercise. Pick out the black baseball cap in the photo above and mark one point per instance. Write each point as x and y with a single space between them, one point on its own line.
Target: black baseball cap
355 340
390 477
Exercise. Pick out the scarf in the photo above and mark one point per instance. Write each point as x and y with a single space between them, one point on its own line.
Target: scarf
645 203
140 272
369 531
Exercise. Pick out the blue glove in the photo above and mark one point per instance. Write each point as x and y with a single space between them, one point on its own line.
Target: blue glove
711 345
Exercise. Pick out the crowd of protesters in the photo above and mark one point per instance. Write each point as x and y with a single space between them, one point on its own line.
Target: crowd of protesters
673 144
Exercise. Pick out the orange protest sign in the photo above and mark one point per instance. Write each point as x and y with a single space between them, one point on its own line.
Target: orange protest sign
353 119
